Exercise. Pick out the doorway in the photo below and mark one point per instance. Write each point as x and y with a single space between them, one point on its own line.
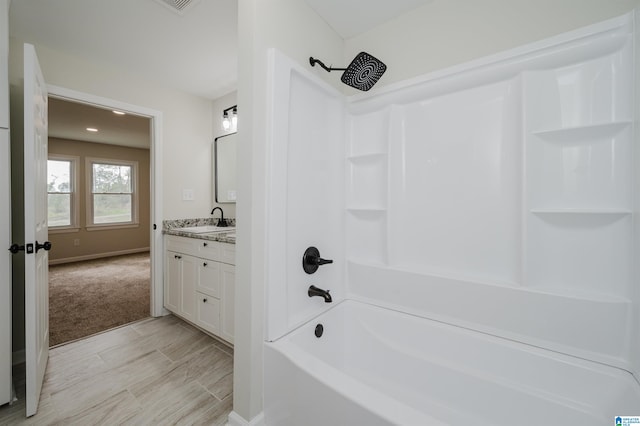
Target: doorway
99 218
154 126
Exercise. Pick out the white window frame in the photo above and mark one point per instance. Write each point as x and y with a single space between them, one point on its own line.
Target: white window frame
74 199
134 223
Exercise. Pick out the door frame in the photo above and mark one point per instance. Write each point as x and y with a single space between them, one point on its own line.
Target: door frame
155 153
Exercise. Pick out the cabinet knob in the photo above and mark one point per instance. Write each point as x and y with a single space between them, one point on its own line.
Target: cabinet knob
204 244
204 300
177 257
204 264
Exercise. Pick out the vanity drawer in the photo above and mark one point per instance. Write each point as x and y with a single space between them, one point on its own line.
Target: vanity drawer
222 252
206 249
209 249
182 245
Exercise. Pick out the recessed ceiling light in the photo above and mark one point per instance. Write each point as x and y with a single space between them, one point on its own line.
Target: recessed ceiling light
118 112
92 129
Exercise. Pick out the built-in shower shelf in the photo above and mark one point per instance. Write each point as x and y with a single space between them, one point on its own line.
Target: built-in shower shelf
364 209
583 133
582 211
372 156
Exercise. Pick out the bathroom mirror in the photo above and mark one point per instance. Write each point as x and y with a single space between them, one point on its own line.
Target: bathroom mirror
224 160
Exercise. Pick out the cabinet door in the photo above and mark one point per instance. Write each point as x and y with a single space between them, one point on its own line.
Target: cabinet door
209 276
173 281
208 313
228 302
188 288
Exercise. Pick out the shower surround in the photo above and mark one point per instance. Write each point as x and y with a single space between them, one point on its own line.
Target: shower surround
496 196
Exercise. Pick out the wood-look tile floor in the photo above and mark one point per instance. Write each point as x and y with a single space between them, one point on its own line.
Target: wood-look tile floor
159 371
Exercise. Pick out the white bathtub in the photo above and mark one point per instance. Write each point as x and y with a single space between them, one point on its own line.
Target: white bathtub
374 366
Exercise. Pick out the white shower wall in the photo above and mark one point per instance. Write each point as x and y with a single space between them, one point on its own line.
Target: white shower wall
306 193
496 195
503 196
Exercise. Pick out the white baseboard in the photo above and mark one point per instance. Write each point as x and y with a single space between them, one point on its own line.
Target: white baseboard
236 420
97 256
18 357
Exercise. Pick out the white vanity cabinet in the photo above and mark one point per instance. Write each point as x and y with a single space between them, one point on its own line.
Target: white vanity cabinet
179 291
199 283
227 312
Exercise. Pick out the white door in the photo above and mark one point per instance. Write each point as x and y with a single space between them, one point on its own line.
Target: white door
35 228
5 211
5 268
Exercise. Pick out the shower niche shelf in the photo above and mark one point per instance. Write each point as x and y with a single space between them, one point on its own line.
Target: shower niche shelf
364 209
371 156
577 211
589 132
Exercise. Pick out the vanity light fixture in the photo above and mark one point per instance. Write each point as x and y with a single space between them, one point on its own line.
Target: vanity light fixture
92 129
226 123
230 118
234 118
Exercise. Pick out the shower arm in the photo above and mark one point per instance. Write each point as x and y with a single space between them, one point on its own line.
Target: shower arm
314 61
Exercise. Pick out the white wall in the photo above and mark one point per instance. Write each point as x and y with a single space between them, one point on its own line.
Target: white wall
449 32
187 121
292 27
219 105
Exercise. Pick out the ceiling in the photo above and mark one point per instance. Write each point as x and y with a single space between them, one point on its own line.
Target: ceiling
194 51
69 120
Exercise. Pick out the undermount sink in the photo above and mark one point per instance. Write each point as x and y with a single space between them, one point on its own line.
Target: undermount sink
206 229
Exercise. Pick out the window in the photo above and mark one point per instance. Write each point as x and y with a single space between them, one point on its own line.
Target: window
112 198
61 189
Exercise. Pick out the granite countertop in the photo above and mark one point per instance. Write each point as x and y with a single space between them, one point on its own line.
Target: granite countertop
174 227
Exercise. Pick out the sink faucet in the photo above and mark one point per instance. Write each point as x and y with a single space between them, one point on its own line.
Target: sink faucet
315 291
222 222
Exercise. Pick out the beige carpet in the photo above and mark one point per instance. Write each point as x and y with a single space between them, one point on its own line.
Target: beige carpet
96 295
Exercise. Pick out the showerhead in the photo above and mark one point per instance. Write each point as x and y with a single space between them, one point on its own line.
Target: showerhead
362 73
